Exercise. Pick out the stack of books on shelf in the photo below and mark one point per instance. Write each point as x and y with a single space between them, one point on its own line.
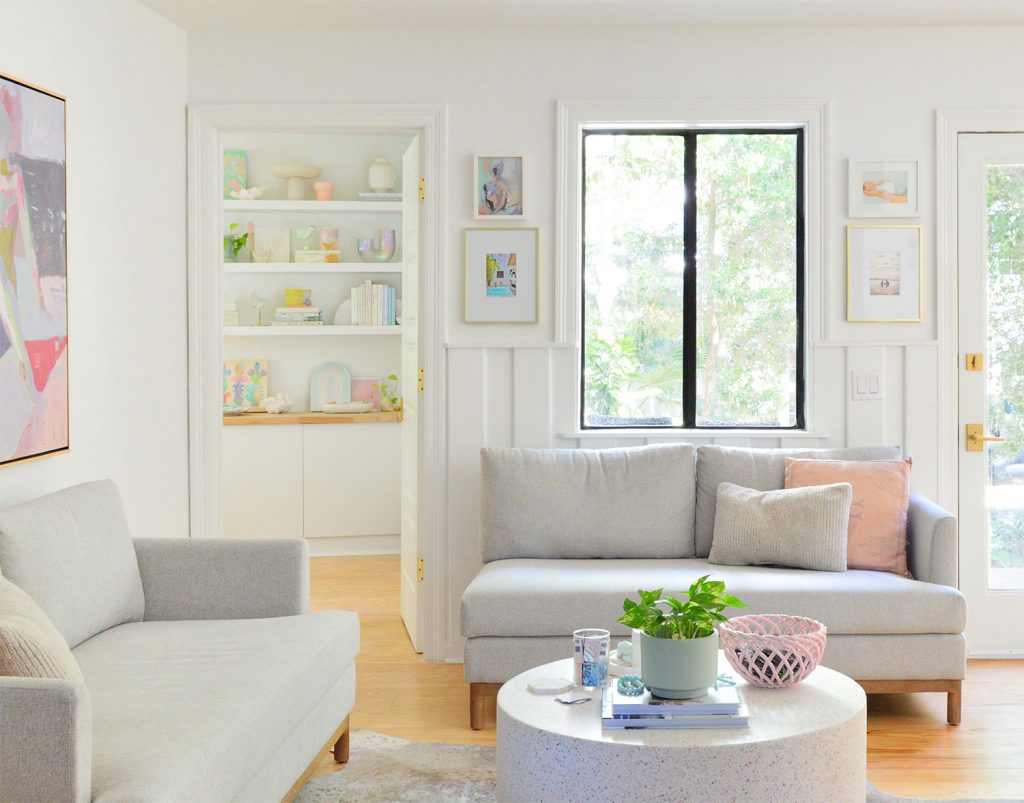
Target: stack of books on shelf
380 196
297 316
373 304
719 708
230 313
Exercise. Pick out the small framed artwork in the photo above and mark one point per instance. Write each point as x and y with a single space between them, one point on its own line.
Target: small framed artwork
498 186
366 389
883 187
884 273
501 275
245 382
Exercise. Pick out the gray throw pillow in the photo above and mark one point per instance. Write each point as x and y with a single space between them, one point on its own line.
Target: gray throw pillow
783 528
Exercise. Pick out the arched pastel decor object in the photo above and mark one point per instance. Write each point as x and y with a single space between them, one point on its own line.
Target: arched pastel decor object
369 252
773 651
330 382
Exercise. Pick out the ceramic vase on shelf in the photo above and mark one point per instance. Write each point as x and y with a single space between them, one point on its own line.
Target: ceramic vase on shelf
382 175
323 190
369 252
329 238
296 176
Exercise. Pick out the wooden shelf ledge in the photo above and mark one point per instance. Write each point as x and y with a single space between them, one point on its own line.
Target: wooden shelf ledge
278 419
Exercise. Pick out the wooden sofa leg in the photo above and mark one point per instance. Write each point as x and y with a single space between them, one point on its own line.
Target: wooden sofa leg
954 699
479 694
340 749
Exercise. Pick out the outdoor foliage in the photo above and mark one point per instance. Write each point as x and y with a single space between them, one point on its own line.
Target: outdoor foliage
695 618
746 261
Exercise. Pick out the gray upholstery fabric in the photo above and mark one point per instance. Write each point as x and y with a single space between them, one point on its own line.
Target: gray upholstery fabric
213 578
805 528
45 740
760 469
555 597
920 657
932 542
72 553
587 503
292 757
194 710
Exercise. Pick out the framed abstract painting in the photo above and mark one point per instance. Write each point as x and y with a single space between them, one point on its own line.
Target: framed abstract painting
498 186
33 273
501 275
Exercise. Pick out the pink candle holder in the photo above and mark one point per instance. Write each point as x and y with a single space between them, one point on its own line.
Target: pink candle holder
323 190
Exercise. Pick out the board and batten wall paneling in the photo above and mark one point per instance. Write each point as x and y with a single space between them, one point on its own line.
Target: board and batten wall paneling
525 397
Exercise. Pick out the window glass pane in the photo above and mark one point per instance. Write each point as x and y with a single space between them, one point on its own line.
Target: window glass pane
746 280
1004 495
634 198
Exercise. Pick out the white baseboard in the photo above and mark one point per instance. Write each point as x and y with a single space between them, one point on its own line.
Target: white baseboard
996 654
353 545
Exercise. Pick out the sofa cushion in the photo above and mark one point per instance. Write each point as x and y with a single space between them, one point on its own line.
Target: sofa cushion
193 710
72 553
555 597
804 528
587 503
30 646
760 469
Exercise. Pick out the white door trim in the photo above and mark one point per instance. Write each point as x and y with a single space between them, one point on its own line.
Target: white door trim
206 122
949 124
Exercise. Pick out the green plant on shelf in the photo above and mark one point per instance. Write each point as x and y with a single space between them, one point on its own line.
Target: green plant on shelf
233 244
388 388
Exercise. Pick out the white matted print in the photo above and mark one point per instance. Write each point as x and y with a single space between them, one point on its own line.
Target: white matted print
883 273
501 275
884 188
498 186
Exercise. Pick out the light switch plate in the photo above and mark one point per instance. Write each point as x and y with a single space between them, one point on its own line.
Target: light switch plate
865 385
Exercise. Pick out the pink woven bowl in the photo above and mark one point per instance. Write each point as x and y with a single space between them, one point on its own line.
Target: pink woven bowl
773 651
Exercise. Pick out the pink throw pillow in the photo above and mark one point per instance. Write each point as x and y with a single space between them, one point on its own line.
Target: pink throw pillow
878 515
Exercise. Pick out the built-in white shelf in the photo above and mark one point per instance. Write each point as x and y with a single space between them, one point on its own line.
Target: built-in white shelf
306 331
312 267
312 206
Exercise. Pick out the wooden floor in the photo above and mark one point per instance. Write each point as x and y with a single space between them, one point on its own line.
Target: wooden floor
911 749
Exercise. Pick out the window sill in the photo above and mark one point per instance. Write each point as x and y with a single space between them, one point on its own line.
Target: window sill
675 434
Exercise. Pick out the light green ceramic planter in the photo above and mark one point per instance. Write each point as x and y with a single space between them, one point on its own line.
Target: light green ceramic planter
679 669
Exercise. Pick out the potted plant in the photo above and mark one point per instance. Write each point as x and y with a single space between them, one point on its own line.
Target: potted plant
679 642
233 243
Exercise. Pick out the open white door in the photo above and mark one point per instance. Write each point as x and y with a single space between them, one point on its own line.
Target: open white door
411 232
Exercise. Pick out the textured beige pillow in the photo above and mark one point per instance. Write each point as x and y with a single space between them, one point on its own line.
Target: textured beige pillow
30 645
805 528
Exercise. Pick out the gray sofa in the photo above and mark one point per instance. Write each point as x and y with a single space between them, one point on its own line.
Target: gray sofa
206 678
566 535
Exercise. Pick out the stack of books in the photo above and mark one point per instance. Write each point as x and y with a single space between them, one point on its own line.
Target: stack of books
297 316
719 708
230 313
380 196
373 304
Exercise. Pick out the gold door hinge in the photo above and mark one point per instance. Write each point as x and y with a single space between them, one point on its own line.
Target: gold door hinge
975 362
419 570
423 190
419 381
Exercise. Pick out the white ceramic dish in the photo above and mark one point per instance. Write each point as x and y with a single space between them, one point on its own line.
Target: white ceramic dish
347 407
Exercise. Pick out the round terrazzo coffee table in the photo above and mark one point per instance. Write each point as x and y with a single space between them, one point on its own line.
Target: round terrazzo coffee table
808 743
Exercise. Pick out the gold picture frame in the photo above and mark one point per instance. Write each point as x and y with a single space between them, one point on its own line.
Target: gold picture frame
882 285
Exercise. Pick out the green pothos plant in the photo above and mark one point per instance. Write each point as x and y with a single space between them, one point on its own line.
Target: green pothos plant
671 618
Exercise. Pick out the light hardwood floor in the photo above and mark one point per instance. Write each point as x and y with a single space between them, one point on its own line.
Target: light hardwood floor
911 749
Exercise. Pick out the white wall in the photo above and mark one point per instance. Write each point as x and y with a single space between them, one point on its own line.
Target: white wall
506 385
122 69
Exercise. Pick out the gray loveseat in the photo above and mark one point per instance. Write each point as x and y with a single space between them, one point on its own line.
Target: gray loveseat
566 535
206 678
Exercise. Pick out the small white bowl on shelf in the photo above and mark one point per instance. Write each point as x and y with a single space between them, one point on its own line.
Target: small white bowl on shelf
346 407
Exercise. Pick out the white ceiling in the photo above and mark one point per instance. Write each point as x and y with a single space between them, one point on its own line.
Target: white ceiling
197 15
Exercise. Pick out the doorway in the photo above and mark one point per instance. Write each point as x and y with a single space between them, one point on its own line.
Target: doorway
990 257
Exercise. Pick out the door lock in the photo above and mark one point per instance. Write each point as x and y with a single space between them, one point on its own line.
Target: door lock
976 438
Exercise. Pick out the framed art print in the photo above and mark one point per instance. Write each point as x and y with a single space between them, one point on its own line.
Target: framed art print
884 273
884 188
33 273
501 275
498 186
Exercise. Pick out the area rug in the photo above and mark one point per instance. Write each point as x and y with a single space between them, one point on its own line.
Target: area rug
385 769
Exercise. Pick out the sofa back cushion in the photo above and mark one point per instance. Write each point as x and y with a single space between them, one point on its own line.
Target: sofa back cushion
71 552
634 502
760 469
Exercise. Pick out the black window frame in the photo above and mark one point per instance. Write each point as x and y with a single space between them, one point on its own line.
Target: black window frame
690 271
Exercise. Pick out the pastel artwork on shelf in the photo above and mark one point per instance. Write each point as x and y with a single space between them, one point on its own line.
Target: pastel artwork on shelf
367 389
245 382
235 173
297 297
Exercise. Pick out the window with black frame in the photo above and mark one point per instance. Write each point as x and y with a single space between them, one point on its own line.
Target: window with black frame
693 279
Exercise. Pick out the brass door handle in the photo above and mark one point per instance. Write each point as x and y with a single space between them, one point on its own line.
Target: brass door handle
976 438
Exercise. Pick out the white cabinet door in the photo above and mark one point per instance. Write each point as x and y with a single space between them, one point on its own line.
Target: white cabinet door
352 479
261 481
